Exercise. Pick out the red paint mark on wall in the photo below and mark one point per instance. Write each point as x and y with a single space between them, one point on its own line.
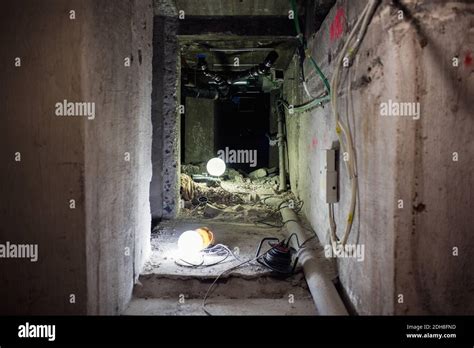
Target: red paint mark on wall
314 143
468 59
337 26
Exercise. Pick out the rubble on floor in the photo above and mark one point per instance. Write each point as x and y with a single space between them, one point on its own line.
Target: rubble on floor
235 196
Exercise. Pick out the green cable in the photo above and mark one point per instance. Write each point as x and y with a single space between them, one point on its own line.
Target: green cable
300 36
321 75
316 101
309 105
296 20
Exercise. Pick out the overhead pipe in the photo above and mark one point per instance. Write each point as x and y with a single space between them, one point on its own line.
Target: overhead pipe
258 70
222 84
196 92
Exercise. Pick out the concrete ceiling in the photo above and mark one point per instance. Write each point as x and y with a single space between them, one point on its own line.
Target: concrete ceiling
221 51
312 12
236 7
239 35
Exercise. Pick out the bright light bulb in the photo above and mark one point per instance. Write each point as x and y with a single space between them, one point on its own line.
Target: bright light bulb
190 242
215 166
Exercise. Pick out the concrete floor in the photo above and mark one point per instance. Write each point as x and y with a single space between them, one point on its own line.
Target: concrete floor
245 237
164 288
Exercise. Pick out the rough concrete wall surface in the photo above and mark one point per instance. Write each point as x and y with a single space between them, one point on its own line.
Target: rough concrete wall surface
36 190
368 283
273 159
395 160
117 148
164 188
142 39
435 164
101 161
199 130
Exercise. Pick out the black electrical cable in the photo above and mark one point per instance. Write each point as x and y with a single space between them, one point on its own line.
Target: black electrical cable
218 249
201 265
289 239
272 225
209 290
268 197
189 264
262 222
300 246
299 205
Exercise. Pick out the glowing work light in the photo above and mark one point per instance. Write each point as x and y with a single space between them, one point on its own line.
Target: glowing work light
192 242
215 166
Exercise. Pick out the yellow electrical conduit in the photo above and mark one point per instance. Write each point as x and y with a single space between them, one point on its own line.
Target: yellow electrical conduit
343 131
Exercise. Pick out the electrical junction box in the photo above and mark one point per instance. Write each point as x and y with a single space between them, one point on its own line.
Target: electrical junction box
328 176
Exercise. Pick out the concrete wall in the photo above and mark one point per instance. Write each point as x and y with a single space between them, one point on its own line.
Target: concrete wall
437 188
117 148
36 190
81 250
407 251
166 156
199 142
273 159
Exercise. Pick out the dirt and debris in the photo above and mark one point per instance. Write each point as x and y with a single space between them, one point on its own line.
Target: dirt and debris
236 196
259 173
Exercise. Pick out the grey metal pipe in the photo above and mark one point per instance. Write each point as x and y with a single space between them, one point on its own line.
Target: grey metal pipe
207 93
258 70
323 291
222 84
281 151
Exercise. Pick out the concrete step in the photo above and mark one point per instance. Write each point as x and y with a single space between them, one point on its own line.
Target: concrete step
221 306
236 294
235 286
164 288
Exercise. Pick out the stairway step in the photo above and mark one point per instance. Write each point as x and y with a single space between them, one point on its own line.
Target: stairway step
235 286
221 306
